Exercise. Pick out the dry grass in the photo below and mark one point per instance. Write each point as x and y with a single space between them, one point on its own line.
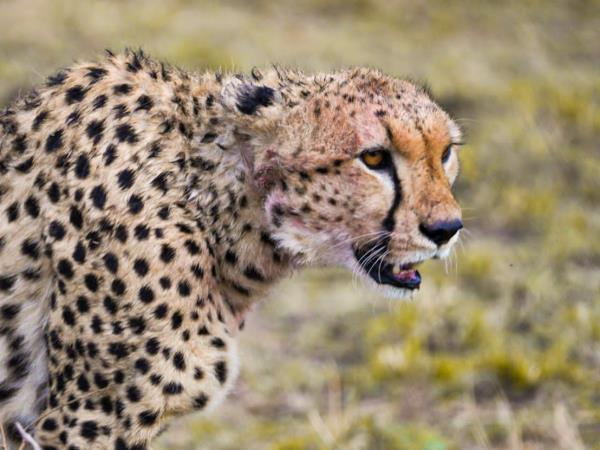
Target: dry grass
502 349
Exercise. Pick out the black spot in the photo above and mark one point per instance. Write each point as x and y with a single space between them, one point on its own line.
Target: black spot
125 133
82 383
164 213
147 418
118 287
110 154
146 294
98 196
89 430
100 381
12 212
179 361
10 311
141 232
144 103
167 253
73 119
118 349
135 204
25 166
165 282
56 230
141 267
217 343
32 206
110 305
198 373
54 192
106 405
54 141
120 111
192 247
134 394
253 97
94 130
230 257
91 282
184 228
49 425
208 138
172 388
83 305
183 287
56 79
75 94
253 273
161 311
142 365
121 233
97 324
99 101
200 401
68 316
82 166
134 64
197 270
221 371
111 262
76 218
96 73
125 178
79 253
152 346
176 320
31 274
65 268
121 89
38 120
160 182
30 248
137 324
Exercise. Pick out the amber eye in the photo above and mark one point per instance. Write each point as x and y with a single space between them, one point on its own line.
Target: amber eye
374 159
446 154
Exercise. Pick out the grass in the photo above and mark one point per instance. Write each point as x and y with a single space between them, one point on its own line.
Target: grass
501 350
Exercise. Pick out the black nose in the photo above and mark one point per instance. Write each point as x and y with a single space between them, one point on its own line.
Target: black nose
442 231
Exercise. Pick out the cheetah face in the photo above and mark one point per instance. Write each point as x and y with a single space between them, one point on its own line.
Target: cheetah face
361 177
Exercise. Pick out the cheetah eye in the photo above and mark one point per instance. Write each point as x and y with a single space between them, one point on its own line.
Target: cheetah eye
375 159
446 154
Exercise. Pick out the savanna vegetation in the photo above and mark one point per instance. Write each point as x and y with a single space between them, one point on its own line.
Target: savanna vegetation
501 348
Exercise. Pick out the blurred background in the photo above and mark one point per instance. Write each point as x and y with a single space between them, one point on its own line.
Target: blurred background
501 348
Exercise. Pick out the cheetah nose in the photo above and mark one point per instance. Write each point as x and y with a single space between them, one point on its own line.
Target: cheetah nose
441 231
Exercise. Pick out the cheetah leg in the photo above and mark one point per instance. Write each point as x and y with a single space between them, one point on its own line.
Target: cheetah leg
144 339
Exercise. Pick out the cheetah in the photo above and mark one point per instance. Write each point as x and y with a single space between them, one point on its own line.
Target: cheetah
144 210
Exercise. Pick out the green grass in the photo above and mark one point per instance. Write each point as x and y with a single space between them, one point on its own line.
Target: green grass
502 349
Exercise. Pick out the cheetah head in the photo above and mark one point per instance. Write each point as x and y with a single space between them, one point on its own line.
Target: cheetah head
356 169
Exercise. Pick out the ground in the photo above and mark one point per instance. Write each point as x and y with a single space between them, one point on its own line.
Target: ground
500 352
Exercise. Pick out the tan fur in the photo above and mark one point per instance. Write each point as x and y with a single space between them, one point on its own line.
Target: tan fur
144 209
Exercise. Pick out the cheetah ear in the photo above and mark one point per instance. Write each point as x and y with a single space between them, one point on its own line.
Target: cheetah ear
247 98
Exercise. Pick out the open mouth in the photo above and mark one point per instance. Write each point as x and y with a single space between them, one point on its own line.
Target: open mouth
403 276
400 276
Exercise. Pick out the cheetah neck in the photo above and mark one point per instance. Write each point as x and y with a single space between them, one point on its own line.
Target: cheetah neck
230 210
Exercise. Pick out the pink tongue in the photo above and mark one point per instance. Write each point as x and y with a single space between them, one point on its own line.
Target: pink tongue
406 275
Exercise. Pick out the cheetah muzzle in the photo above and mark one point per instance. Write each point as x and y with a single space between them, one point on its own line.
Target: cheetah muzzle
144 209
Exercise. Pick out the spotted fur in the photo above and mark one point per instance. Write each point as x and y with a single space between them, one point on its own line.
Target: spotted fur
143 209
